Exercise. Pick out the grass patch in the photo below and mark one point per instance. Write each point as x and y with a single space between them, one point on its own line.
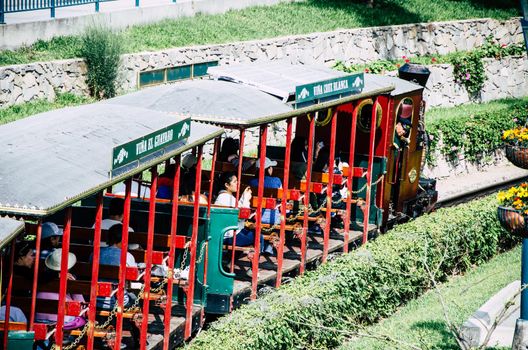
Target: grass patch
272 21
24 110
421 322
447 113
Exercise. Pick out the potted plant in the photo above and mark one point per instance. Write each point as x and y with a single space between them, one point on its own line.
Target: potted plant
516 146
513 209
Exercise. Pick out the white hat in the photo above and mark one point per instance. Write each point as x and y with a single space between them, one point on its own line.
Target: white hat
50 229
189 160
53 261
267 163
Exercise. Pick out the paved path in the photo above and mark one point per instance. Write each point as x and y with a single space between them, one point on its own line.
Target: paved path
81 10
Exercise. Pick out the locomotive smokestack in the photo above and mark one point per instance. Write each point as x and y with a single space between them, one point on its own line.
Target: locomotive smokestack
415 73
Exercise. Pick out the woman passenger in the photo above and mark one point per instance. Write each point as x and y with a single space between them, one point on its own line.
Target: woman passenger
228 186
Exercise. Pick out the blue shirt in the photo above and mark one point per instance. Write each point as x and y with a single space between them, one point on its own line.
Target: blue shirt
112 256
269 182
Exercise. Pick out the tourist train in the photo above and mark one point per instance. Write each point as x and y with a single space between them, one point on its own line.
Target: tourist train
199 227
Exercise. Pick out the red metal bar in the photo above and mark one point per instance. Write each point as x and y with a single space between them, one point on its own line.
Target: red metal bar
174 226
366 211
63 277
148 267
35 276
122 266
240 162
330 185
192 251
95 270
307 192
211 180
239 180
280 249
258 228
9 292
351 154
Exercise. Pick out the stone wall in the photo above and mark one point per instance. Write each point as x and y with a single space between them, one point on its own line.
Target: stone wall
27 82
508 77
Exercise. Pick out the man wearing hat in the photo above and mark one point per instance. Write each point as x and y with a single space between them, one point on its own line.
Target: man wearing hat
50 239
269 181
404 123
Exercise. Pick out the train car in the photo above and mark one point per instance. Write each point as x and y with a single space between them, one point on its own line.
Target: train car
54 161
337 109
74 163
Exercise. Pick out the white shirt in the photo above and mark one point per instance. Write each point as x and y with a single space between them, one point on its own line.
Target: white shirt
228 200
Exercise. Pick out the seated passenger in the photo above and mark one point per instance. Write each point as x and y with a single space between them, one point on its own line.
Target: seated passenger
166 182
229 153
116 212
53 263
111 255
50 239
23 267
269 180
15 314
299 156
229 183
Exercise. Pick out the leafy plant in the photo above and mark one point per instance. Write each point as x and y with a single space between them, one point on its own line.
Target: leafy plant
364 286
101 49
468 70
476 135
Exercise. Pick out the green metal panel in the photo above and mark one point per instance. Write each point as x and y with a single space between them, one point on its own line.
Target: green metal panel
219 281
20 340
200 69
152 77
379 168
179 73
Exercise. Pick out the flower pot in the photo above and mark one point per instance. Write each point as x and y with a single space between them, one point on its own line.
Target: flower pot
513 220
518 155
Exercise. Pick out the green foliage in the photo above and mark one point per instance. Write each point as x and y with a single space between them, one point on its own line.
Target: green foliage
364 286
101 49
20 111
469 68
474 134
422 323
261 22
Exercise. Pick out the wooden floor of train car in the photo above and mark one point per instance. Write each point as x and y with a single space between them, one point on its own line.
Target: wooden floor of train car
291 262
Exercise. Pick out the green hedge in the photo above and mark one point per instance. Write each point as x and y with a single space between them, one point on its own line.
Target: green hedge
476 135
363 286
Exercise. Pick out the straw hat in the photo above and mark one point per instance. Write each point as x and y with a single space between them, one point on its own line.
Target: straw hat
53 261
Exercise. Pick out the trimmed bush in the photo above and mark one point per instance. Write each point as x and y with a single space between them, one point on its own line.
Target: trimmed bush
101 49
364 286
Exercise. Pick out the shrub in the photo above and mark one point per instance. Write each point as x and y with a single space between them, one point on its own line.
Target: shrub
474 135
101 49
364 286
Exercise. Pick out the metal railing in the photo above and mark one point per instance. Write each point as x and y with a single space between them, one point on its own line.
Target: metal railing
12 6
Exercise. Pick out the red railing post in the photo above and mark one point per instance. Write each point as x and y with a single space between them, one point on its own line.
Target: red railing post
372 141
216 148
122 266
311 141
285 184
8 294
329 188
258 228
192 251
95 270
35 275
239 179
63 277
351 155
150 246
174 226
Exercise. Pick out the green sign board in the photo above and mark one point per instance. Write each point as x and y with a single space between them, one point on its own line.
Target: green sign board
346 85
129 155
